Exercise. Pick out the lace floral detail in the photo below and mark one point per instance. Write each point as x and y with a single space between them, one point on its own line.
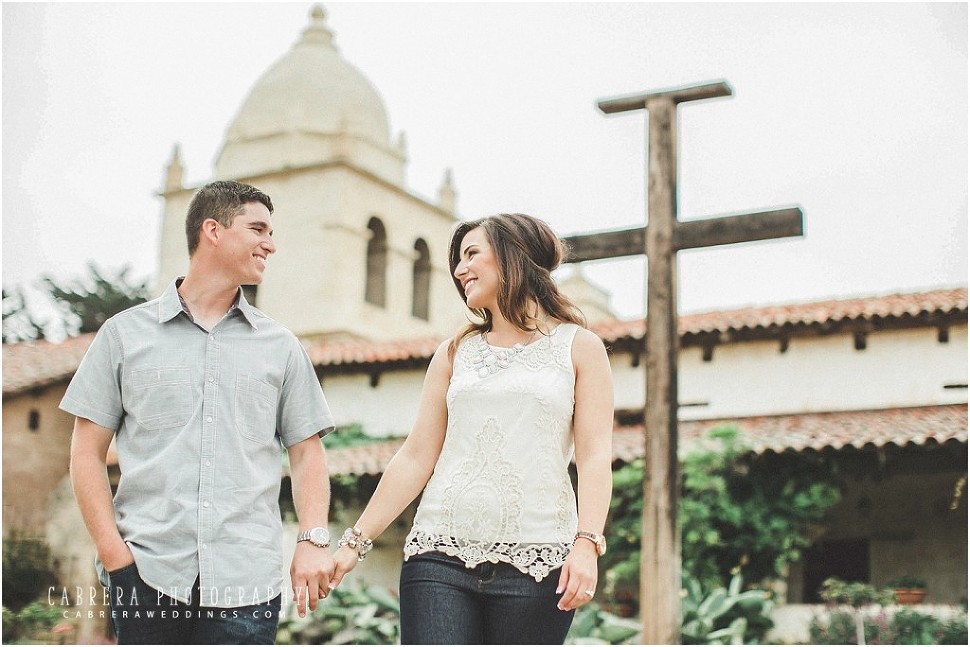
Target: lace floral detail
485 491
554 482
501 490
484 360
536 560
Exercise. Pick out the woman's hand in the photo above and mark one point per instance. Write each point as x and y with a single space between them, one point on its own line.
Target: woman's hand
345 559
577 581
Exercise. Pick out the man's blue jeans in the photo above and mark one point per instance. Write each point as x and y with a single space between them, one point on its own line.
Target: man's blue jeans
443 602
142 615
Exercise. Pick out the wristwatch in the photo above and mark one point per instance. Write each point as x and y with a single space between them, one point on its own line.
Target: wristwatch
317 536
598 540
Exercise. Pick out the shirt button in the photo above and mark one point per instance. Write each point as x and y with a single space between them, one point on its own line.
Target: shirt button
209 419
212 379
205 504
205 546
208 463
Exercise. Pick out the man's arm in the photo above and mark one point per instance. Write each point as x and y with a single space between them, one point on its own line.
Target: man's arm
312 566
89 477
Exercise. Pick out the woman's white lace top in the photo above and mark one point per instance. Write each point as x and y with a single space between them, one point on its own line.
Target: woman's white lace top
501 489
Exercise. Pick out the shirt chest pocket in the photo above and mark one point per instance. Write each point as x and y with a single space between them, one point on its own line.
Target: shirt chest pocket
161 398
256 403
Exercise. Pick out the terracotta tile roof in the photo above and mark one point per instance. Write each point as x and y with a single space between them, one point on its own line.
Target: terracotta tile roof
31 364
363 459
822 315
797 432
372 352
819 431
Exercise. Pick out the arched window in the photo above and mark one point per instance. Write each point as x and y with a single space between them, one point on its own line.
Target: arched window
376 287
422 280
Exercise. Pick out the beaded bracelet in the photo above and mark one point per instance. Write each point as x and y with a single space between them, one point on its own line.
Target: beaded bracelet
354 538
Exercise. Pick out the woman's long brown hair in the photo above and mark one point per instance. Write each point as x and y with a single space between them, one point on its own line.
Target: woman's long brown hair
527 251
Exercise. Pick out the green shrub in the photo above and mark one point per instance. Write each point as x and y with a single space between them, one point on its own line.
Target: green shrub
751 514
906 582
855 594
739 513
724 615
593 625
836 628
887 626
27 570
953 632
354 614
31 623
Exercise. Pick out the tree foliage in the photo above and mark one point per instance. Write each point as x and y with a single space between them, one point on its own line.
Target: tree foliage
86 303
27 569
750 514
739 514
18 322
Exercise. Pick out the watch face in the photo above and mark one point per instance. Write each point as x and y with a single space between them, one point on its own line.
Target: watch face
319 536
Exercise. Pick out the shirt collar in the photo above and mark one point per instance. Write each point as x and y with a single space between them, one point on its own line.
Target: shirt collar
171 304
248 312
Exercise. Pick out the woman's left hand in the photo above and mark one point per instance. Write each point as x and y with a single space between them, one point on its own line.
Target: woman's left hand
577 581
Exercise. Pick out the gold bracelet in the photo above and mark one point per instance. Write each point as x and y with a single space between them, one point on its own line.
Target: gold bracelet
354 538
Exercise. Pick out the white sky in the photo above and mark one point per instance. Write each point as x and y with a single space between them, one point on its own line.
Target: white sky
855 112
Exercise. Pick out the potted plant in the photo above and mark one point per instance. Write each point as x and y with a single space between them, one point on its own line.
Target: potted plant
908 589
857 595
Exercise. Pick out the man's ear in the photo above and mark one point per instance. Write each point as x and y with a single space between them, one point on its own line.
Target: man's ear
210 230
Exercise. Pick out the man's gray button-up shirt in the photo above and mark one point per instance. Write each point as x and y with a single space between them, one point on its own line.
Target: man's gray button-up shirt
200 417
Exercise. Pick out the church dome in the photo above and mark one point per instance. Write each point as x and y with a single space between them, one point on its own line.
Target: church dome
304 110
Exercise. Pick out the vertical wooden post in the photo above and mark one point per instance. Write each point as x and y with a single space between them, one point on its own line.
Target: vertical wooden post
660 566
663 236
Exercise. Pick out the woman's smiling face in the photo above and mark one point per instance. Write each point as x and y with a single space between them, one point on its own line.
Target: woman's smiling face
478 270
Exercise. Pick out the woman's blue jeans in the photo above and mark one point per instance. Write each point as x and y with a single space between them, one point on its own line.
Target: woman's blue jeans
444 602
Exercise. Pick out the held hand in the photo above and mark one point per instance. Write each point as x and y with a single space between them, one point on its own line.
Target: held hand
577 581
310 575
346 560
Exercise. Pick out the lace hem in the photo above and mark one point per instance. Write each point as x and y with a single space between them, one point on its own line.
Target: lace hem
536 560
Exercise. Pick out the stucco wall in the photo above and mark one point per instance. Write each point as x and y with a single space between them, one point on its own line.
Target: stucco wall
34 461
387 410
897 369
911 528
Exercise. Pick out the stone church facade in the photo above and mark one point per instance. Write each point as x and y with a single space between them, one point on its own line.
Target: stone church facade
360 255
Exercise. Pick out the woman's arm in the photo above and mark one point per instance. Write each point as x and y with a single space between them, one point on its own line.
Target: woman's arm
411 468
593 431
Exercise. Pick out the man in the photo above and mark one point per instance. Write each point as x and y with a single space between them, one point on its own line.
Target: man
200 390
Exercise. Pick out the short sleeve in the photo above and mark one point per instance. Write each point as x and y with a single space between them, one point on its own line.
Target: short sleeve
303 409
95 390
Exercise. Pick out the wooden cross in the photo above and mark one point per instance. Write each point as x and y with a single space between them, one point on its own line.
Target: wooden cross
661 239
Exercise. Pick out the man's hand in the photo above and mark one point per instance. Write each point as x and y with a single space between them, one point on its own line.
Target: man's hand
117 557
310 575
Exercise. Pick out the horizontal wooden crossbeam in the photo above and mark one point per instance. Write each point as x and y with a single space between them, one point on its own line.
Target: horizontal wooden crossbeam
678 95
709 232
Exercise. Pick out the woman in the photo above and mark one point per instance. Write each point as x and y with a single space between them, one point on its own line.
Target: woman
499 553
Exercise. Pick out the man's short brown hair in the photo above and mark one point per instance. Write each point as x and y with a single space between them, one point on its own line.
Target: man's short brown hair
222 201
